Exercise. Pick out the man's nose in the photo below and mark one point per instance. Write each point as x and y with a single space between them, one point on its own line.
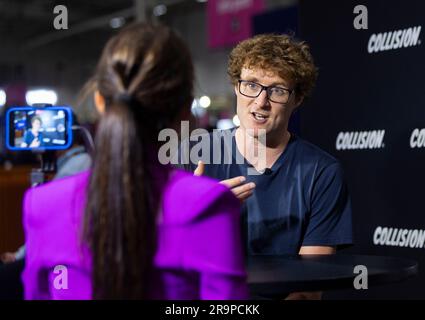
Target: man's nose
262 99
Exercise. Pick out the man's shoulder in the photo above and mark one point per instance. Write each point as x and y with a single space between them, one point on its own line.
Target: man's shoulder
308 152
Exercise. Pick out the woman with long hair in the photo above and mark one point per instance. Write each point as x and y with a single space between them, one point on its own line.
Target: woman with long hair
131 228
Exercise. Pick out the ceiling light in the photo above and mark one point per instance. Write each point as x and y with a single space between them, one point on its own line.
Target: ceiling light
42 96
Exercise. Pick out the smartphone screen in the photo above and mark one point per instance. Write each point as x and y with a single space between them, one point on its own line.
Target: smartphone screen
29 128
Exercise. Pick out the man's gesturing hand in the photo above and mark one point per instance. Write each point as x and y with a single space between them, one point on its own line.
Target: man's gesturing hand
240 189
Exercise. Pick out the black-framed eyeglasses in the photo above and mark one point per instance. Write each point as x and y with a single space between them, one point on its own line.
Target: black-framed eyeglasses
276 94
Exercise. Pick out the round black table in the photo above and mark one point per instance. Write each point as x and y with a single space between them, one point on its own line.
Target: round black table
276 276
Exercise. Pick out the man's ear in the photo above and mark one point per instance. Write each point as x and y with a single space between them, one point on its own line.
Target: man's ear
298 101
99 102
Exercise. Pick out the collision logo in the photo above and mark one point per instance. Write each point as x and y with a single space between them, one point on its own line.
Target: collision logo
394 39
360 140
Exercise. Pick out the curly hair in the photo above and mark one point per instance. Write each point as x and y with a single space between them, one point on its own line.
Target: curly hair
282 54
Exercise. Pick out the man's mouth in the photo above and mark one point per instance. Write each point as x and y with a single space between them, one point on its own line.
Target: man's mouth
259 117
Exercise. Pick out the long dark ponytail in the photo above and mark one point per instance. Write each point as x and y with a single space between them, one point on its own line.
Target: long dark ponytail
145 76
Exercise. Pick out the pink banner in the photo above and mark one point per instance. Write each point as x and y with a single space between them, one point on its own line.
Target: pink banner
229 21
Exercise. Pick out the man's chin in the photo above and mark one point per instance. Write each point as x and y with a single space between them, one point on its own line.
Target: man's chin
256 132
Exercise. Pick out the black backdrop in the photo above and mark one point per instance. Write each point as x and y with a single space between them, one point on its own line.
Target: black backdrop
363 111
378 93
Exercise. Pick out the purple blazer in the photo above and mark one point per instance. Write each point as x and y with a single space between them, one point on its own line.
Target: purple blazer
199 253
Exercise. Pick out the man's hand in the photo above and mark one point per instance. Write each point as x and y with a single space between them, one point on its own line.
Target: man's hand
200 169
35 143
241 190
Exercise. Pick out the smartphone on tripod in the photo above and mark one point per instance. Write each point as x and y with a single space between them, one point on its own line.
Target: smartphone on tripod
38 128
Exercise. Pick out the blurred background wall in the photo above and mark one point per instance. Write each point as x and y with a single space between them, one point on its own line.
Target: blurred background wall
34 54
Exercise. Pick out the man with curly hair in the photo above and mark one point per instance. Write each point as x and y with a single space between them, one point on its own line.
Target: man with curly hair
298 203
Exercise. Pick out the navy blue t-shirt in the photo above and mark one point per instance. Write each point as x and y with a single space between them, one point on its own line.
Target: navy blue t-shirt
29 137
301 201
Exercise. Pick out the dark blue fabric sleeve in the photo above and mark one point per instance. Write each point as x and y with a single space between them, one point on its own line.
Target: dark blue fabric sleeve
28 137
330 220
40 138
